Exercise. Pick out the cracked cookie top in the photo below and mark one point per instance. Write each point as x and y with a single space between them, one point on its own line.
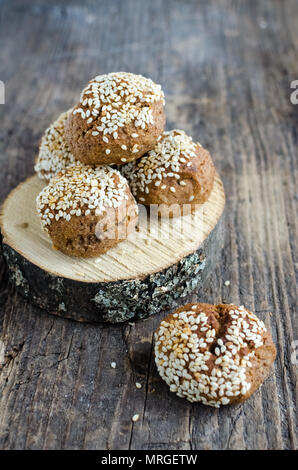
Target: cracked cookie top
215 354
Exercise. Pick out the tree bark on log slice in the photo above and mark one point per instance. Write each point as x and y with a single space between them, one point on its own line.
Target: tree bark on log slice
155 269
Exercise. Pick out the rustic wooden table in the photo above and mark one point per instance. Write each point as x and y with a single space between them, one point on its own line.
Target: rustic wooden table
226 67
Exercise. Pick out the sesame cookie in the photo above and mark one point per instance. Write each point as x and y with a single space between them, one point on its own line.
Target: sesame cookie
214 354
86 210
118 119
54 154
176 172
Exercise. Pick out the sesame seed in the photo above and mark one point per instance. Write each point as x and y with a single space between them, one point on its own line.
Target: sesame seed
225 400
80 273
138 385
135 418
108 151
113 365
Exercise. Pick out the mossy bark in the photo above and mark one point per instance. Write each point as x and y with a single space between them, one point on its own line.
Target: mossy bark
117 301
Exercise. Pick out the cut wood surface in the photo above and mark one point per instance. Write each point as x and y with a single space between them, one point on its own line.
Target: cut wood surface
159 264
226 67
156 245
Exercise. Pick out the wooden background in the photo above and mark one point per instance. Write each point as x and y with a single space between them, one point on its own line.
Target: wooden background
226 68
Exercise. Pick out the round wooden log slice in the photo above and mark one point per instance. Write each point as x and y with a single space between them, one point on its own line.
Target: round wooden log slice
155 269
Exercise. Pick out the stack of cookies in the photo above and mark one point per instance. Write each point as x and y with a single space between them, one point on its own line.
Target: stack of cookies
101 159
110 153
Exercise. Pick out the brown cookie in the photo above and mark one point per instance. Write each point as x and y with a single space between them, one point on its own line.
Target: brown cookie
118 119
86 210
214 354
177 172
54 154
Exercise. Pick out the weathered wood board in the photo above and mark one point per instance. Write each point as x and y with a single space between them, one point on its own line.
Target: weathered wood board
226 67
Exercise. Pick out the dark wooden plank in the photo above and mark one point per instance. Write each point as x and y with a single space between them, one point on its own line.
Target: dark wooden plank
226 67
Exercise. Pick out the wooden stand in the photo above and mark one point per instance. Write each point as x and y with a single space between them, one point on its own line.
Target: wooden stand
153 270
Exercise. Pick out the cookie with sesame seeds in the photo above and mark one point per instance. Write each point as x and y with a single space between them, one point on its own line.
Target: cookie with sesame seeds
213 354
86 211
118 119
177 172
54 154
